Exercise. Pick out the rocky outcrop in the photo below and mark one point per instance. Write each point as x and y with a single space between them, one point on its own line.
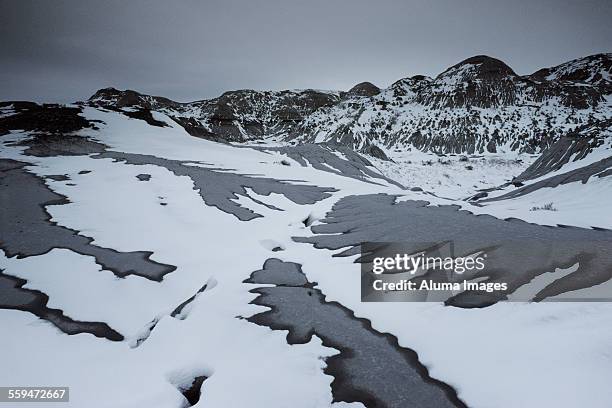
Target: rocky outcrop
235 116
363 89
478 105
594 70
48 119
573 147
583 155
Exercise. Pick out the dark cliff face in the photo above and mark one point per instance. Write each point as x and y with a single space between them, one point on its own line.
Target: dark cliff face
235 116
363 89
487 82
479 81
479 67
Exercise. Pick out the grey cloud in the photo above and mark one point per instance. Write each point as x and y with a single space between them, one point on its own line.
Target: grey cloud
65 50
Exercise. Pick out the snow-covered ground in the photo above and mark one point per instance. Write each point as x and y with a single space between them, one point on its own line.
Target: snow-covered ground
576 204
508 355
452 176
458 177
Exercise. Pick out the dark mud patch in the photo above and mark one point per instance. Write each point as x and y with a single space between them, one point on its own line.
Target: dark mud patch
516 251
601 168
280 273
220 188
58 177
49 145
26 228
14 296
194 392
338 160
371 367
143 177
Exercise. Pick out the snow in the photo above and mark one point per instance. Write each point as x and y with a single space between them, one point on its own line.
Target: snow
537 354
397 113
575 204
508 355
593 65
449 176
202 242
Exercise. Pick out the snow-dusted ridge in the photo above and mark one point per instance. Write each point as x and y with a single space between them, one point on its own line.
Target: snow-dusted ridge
479 105
569 184
476 106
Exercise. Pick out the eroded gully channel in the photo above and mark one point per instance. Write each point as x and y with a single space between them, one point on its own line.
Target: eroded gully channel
371 368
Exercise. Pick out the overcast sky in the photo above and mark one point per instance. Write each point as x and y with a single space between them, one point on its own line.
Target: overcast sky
186 50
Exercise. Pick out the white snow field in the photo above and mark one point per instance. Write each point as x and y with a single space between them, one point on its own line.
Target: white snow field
575 204
508 355
453 176
459 177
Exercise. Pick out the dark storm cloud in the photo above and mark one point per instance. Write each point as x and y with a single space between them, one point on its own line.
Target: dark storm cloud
186 50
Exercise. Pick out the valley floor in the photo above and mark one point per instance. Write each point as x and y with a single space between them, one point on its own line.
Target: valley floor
238 270
453 176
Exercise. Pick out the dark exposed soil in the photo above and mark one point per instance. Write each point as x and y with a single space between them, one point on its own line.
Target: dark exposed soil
371 368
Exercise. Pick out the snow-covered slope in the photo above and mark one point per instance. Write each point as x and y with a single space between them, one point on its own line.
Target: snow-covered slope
479 105
595 70
570 183
580 148
235 116
133 258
